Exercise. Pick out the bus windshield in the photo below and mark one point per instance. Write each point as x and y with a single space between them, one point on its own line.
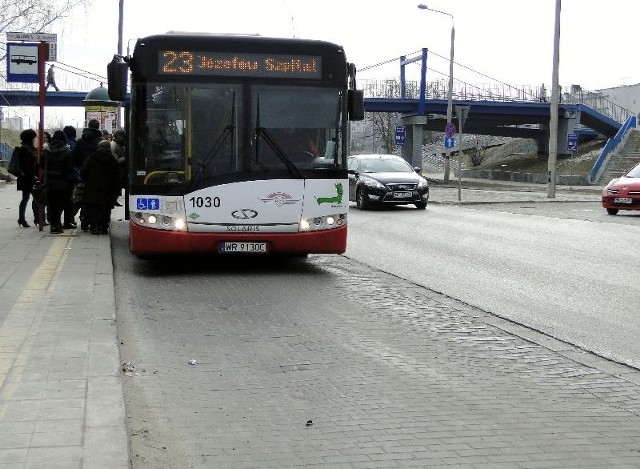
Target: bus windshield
195 134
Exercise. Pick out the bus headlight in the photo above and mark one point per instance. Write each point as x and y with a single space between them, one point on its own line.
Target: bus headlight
326 222
162 222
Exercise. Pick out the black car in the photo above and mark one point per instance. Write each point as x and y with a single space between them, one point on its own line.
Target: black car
385 180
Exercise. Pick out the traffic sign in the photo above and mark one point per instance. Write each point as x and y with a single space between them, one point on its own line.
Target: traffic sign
572 142
401 135
449 142
32 37
22 62
450 129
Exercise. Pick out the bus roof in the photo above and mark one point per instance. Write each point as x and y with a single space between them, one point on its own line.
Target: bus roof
224 42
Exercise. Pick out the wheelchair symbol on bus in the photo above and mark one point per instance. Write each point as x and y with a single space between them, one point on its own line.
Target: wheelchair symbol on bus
148 203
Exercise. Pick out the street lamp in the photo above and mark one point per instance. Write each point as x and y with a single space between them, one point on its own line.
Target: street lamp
422 6
553 119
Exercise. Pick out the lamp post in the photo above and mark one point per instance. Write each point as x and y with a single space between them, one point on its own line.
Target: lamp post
447 159
553 119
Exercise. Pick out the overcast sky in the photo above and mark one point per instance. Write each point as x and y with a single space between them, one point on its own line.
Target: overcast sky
508 40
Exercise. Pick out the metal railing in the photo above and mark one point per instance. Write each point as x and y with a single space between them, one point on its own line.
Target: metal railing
500 92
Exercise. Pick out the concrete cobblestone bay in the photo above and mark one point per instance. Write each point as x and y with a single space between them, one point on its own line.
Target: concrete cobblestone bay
385 374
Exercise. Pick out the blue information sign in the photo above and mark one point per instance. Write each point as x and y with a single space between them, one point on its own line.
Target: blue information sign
401 135
572 142
449 142
22 63
148 203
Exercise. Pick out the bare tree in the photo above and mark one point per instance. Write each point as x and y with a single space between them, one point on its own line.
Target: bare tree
34 16
384 129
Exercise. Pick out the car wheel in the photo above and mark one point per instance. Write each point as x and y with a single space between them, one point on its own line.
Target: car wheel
421 205
612 211
362 200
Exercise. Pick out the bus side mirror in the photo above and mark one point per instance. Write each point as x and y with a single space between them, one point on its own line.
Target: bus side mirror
355 105
117 75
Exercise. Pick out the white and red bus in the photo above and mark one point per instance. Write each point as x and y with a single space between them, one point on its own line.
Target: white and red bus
236 144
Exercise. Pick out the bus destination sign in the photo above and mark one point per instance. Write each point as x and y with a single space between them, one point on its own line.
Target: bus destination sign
172 62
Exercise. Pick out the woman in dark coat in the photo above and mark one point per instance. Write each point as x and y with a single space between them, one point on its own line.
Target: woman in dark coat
101 186
27 159
56 163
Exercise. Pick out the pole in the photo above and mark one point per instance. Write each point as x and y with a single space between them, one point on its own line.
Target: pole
447 169
447 158
120 21
460 124
43 53
553 121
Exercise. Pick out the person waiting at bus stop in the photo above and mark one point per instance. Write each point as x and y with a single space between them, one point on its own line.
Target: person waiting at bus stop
55 162
84 147
100 175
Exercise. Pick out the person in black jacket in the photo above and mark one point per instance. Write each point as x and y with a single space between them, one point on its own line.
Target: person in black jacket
101 178
56 162
27 159
86 145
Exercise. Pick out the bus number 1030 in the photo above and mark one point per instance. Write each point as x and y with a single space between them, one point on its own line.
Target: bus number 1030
199 202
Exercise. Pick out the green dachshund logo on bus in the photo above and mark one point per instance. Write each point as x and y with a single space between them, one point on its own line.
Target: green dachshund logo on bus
337 199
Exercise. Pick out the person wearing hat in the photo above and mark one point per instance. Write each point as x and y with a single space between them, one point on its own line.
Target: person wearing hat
56 162
100 176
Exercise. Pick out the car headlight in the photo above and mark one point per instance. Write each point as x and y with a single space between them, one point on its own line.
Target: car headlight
422 184
372 183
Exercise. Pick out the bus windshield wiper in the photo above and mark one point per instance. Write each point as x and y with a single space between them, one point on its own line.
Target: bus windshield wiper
262 132
227 131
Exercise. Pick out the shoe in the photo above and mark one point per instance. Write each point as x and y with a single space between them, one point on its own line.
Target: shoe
23 223
56 230
69 226
35 222
95 232
84 227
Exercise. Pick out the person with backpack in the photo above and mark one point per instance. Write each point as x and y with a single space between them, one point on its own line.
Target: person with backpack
27 160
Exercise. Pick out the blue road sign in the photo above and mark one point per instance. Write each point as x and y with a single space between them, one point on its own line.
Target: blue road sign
572 142
401 135
449 142
22 63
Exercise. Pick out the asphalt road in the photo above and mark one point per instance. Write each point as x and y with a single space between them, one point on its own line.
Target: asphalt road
561 268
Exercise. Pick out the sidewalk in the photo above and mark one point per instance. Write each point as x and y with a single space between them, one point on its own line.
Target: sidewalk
61 389
481 191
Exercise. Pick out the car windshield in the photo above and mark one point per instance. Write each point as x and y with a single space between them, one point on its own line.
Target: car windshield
634 173
380 165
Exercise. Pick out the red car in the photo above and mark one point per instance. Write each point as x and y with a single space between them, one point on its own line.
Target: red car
623 193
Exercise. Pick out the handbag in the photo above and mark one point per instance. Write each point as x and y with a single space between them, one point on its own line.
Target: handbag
78 193
14 163
40 193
